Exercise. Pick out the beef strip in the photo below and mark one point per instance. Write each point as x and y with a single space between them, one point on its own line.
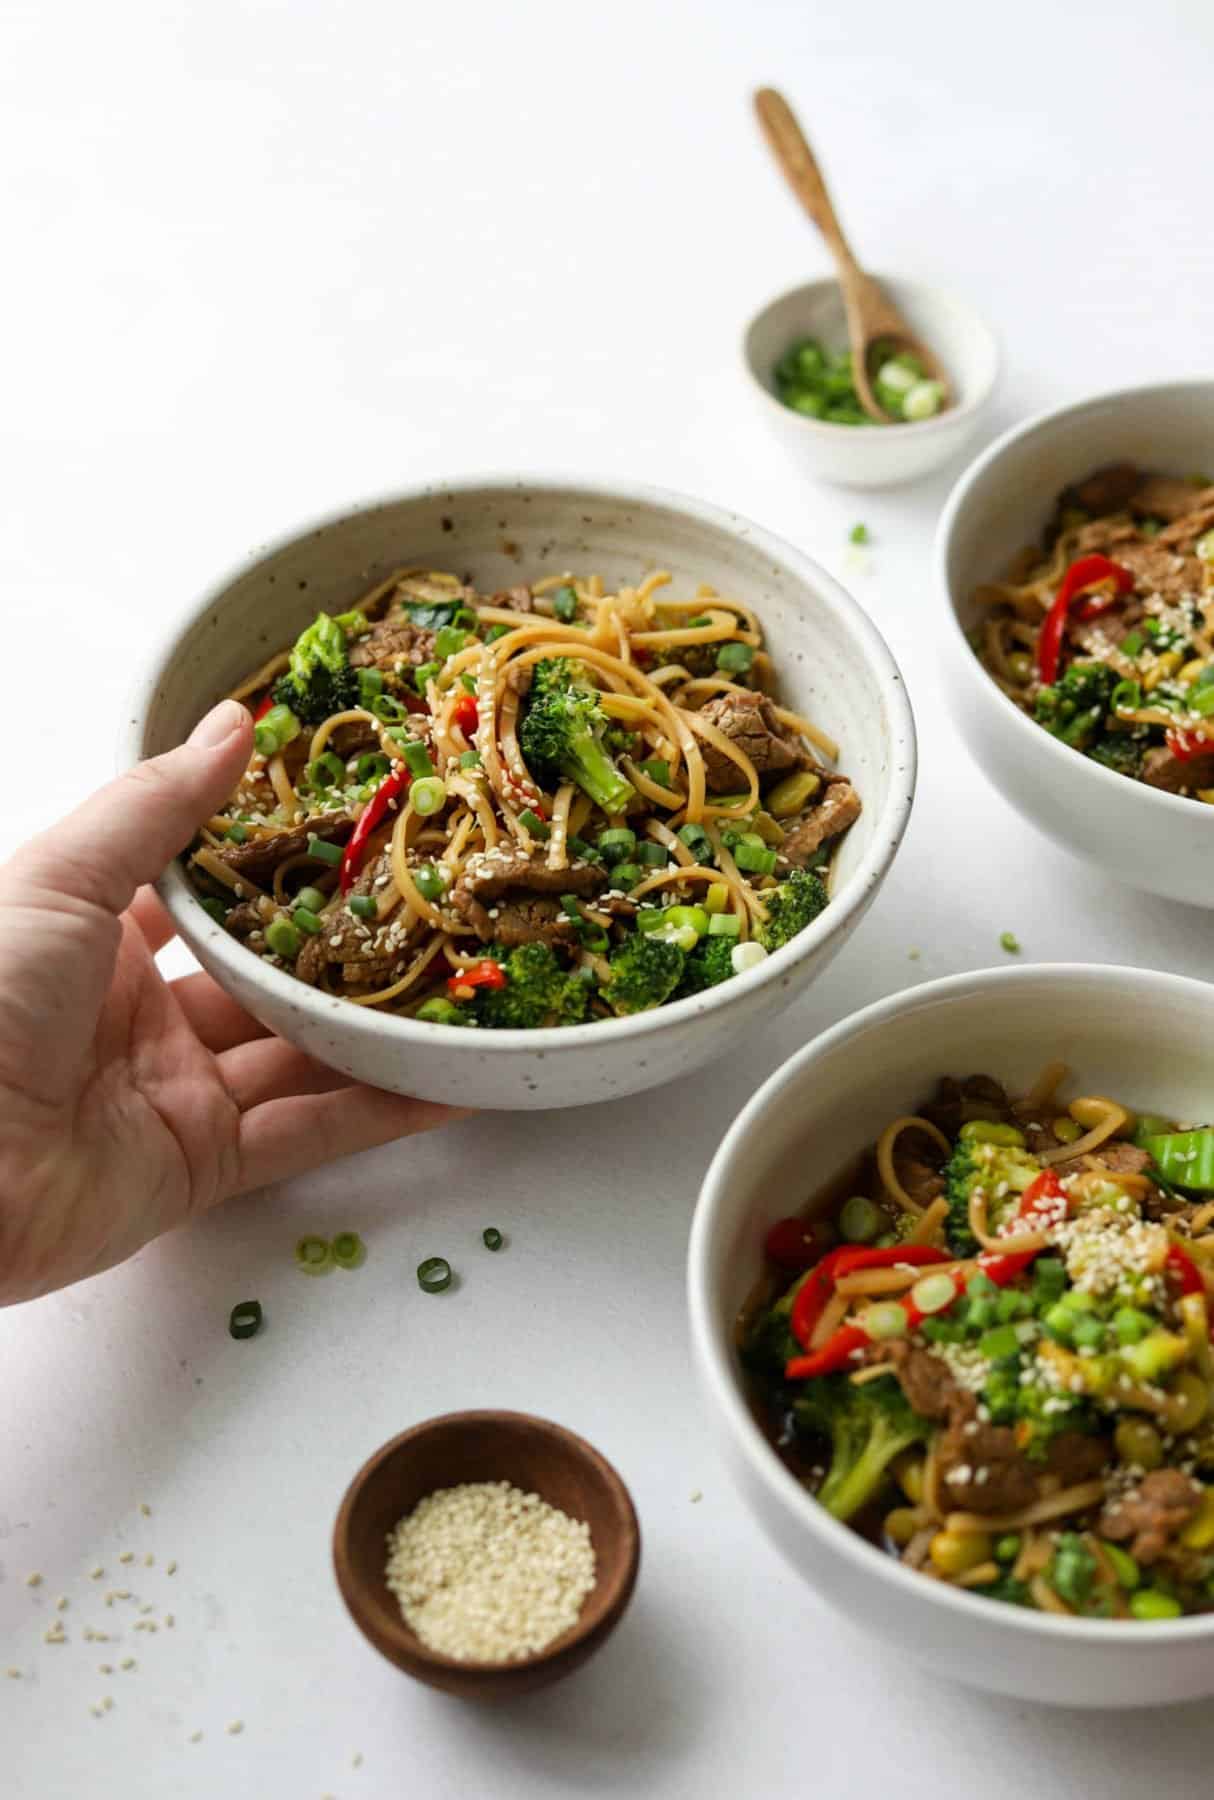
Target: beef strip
749 721
1151 1515
1119 1158
1105 535
836 809
524 894
358 953
1106 490
393 642
1168 497
955 1103
1158 568
1184 532
1163 770
245 919
258 857
927 1381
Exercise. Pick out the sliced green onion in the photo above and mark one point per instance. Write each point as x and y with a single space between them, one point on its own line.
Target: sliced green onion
625 876
923 400
313 1255
389 709
724 924
428 882
214 908
326 853
693 916
884 1319
583 848
754 861
1127 694
328 770
859 533
349 1251
1149 1603
448 641
498 631
735 658
470 759
1200 700
531 822
491 1238
564 604
307 920
653 856
1132 643
746 956
237 834
283 723
265 741
657 770
417 758
372 767
617 844
1010 942
1000 1342
468 683
717 897
244 1320
437 1011
434 1274
283 939
1124 1566
429 795
363 906
697 841
311 899
370 683
861 1220
424 674
932 1293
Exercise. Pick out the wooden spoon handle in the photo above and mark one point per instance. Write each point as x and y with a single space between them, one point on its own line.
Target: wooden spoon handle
804 177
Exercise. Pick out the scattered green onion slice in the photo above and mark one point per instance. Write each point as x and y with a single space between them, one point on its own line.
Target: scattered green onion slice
313 1255
282 939
653 856
306 920
423 674
370 683
531 822
1010 942
437 1011
657 770
372 767
327 853
858 534
735 658
434 1275
429 795
449 640
564 604
491 1238
363 906
724 924
417 758
312 899
429 882
349 1251
237 834
244 1320
388 709
616 844
470 759
932 1293
328 770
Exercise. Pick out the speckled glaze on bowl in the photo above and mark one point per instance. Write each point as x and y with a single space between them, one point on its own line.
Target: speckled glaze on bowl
1153 840
858 456
1147 1038
832 664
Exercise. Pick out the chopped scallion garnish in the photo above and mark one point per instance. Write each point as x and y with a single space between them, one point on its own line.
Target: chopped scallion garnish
434 1274
244 1320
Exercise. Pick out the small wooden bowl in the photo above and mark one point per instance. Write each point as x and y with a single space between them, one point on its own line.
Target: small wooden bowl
537 1457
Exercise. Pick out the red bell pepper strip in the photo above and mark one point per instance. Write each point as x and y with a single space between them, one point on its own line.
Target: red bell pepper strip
793 1245
1083 573
267 701
393 785
465 715
487 974
1185 745
813 1294
1043 1194
1183 1270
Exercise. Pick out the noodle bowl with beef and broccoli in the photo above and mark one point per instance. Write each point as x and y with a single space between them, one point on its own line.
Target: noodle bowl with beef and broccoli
540 807
988 1349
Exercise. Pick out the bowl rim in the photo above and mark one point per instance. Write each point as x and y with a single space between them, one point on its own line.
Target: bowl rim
907 428
1107 780
369 1023
603 1607
713 1355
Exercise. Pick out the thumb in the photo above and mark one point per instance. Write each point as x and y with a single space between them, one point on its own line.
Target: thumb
127 833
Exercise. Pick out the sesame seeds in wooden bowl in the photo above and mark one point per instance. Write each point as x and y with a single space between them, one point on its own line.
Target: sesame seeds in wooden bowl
556 1521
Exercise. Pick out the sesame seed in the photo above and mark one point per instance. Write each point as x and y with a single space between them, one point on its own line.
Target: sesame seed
145 1509
148 1560
13 1673
169 1621
235 1727
105 1668
195 1737
128 1662
127 1556
34 1580
97 1573
108 1702
171 1568
696 1497
61 1604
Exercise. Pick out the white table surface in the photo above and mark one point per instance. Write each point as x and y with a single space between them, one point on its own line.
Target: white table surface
265 259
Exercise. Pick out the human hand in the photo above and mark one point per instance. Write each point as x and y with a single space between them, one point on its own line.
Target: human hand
129 1104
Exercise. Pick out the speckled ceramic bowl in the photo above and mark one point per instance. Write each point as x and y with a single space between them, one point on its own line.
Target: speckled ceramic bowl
831 661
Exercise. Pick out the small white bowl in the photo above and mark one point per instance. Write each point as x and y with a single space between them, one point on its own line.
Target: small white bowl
831 663
1143 1036
862 456
1137 834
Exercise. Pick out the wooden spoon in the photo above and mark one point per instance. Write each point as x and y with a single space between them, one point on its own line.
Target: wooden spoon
871 315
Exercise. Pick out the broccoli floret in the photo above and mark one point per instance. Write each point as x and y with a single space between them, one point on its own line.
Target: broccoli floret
709 963
1119 751
795 904
1042 1412
1075 707
771 1344
319 680
645 971
539 990
867 1427
562 734
978 1164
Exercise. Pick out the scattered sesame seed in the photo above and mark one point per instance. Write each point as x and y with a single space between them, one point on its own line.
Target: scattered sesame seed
14 1674
148 1560
105 1668
235 1727
128 1662
697 1496
127 1556
97 1573
61 1604
356 1760
145 1509
34 1580
172 1567
168 1619
195 1737
108 1702
54 1634
96 1711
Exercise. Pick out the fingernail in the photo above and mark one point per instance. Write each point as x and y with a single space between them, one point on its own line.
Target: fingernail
218 725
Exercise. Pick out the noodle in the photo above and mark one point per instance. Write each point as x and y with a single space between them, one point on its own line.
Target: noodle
885 1157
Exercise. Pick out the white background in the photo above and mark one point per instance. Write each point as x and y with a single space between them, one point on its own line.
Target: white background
262 260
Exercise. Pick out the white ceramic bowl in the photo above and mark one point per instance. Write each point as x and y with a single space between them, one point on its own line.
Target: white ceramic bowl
860 456
832 664
1134 833
1143 1036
